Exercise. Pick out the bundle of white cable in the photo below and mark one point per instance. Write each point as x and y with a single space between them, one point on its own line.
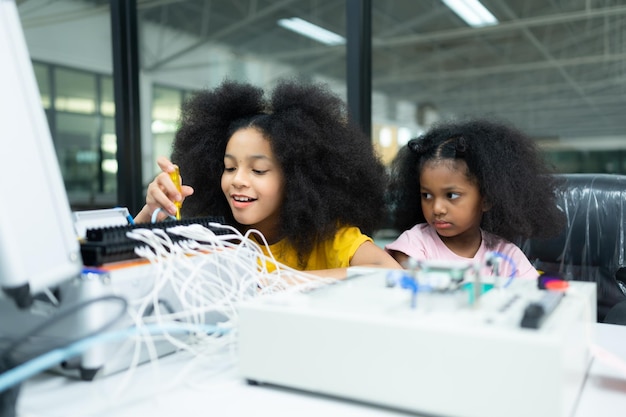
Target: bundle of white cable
207 275
196 285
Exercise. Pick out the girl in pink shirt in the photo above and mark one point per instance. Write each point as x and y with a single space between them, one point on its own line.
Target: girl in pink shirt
467 188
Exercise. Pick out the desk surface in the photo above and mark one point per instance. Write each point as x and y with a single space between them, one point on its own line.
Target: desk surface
178 386
604 393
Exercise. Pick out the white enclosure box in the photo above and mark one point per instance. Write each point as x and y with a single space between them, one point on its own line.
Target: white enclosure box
360 340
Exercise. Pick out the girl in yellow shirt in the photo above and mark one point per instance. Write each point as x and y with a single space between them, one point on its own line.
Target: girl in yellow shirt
290 166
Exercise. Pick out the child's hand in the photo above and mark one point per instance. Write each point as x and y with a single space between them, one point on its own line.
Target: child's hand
162 193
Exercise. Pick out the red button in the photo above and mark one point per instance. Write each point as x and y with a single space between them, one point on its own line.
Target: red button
557 285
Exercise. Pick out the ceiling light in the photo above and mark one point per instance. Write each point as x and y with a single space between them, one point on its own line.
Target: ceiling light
472 12
312 31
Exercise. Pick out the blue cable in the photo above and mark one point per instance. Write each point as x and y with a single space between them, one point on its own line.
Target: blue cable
410 283
406 282
511 263
49 359
129 218
153 218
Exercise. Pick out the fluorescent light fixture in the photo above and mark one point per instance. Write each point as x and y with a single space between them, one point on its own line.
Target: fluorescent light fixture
312 31
472 11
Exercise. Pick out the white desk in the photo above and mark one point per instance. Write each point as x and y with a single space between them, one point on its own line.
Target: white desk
221 395
166 391
604 393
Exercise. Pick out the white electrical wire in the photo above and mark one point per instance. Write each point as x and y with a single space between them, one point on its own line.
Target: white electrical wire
200 280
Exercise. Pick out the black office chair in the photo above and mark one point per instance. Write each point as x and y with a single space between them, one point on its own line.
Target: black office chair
593 245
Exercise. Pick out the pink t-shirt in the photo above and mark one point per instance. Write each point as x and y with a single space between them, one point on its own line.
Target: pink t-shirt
423 243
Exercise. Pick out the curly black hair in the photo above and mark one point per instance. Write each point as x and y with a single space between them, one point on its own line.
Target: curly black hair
333 176
507 166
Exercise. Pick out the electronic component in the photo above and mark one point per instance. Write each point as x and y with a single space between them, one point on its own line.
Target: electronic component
93 219
364 340
110 244
537 311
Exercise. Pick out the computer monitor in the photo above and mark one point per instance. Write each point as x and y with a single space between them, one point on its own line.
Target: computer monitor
38 244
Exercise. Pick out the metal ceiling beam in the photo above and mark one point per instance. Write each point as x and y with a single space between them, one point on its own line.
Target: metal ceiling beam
464 33
223 32
500 69
425 62
556 65
500 90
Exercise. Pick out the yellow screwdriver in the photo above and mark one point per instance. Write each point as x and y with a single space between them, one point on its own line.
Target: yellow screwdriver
175 176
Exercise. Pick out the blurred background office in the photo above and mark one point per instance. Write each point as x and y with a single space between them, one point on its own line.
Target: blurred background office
555 68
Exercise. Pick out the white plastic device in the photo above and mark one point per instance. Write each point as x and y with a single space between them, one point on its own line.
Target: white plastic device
362 340
38 246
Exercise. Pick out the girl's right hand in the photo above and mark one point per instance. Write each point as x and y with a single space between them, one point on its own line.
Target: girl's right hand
162 193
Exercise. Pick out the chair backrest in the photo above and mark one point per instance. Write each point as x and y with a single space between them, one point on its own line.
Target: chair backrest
592 247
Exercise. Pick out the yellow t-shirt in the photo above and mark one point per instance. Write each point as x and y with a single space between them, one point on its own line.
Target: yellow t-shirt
333 253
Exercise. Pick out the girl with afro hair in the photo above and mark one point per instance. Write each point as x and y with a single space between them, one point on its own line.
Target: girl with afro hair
468 188
290 166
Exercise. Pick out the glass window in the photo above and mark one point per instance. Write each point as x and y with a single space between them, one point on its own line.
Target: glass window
70 45
588 161
554 69
78 150
109 158
107 99
43 82
75 91
166 106
197 44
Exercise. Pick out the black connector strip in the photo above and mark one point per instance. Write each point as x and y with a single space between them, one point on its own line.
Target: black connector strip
537 311
110 244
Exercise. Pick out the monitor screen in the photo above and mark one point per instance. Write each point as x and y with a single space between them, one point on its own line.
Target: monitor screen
38 245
